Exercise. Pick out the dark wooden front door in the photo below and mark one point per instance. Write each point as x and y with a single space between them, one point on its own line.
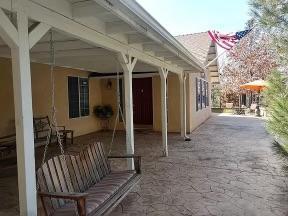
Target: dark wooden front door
142 101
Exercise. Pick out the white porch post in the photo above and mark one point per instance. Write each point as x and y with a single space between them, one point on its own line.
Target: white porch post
182 79
24 119
128 63
20 41
163 75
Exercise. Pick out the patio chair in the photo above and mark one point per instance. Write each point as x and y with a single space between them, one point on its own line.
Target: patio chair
238 111
252 108
42 128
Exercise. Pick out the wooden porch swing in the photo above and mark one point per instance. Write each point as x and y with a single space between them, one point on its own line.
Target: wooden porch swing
82 184
86 179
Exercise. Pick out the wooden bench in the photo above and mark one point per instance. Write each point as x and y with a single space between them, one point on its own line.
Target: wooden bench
84 183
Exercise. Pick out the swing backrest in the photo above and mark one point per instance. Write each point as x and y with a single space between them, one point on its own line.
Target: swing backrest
54 176
72 173
92 165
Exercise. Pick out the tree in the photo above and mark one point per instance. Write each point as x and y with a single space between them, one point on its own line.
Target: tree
251 59
276 97
216 96
273 16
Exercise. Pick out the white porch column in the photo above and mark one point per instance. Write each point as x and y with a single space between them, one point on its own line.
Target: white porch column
24 119
20 41
128 63
182 79
163 75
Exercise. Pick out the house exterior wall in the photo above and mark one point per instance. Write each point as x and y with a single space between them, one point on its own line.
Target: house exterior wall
109 97
99 94
194 117
41 93
173 103
7 123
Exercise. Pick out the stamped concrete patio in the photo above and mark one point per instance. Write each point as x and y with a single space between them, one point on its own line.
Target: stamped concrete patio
228 168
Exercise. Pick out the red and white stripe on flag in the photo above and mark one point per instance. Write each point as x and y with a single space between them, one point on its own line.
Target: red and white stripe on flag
226 41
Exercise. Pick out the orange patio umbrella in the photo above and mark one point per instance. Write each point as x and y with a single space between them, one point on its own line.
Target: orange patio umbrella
257 85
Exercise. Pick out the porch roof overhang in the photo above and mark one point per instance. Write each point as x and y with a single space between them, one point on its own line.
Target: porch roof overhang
91 32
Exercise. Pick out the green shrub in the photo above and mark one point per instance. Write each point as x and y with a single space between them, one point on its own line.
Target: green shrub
276 98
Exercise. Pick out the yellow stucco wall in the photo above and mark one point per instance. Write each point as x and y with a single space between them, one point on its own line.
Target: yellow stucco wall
41 93
109 97
173 103
7 123
99 95
195 118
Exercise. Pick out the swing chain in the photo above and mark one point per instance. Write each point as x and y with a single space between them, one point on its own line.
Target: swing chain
53 112
119 108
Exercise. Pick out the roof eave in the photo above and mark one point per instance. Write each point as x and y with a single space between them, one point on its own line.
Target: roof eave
141 13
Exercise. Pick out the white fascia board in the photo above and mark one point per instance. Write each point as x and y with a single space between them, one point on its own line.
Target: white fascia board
36 34
139 11
8 31
66 24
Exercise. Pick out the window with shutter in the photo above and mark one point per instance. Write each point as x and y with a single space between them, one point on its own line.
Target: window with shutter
78 95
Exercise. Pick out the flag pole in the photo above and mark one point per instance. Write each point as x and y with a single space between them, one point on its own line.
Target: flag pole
215 59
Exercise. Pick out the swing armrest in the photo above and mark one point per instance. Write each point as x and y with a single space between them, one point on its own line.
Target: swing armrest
64 195
79 198
137 160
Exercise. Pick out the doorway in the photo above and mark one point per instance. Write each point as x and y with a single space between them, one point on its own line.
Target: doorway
142 101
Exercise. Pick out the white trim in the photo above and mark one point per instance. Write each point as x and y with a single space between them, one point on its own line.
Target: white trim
70 26
163 75
128 63
154 25
37 33
24 120
183 126
8 31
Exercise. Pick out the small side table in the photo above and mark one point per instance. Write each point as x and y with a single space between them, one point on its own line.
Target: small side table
65 134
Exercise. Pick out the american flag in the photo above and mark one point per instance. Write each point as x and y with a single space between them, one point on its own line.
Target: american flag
227 41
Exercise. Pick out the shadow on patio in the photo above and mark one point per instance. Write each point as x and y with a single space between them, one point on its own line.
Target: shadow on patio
228 168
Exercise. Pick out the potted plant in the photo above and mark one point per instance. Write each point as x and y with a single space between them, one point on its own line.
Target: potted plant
103 112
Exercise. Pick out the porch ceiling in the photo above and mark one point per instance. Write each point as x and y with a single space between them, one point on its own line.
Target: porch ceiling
118 25
74 53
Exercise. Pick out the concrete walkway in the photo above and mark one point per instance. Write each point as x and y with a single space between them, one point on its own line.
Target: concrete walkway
227 169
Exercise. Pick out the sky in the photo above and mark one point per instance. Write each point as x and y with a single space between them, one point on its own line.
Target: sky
191 16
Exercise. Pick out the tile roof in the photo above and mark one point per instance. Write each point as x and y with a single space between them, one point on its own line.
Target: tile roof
198 44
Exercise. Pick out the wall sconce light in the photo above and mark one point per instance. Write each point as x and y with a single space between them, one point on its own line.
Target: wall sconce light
109 84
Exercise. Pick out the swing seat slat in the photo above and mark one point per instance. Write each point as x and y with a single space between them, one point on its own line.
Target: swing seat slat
84 182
